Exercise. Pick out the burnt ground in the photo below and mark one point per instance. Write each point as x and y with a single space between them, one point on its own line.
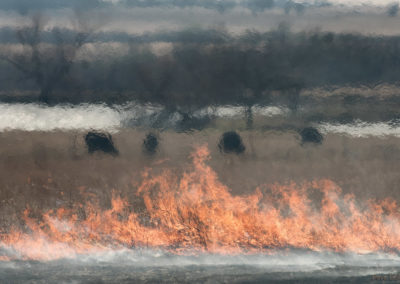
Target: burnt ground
60 272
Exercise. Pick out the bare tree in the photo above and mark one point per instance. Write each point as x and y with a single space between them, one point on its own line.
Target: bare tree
46 64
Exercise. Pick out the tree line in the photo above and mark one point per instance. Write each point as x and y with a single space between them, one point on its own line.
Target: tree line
248 69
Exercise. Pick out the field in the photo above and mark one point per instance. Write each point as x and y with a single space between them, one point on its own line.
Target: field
43 170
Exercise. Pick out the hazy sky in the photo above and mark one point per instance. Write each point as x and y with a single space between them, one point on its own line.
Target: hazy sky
356 16
356 2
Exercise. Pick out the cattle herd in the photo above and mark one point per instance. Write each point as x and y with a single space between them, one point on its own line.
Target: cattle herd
230 142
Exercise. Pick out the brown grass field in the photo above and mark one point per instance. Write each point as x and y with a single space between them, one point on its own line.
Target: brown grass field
43 170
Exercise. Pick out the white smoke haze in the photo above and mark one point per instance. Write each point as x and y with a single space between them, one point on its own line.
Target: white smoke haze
277 262
236 111
35 117
362 129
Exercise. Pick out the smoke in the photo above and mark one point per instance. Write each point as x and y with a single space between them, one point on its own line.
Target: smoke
155 266
34 117
294 261
31 117
363 129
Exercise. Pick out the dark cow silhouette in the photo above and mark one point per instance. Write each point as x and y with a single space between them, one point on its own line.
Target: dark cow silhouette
311 135
150 144
231 142
100 142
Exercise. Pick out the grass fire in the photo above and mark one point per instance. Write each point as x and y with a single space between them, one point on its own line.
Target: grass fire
193 212
225 141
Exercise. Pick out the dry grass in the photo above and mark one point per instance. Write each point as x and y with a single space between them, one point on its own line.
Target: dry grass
46 170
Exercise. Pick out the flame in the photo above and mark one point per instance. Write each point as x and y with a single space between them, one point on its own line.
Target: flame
195 213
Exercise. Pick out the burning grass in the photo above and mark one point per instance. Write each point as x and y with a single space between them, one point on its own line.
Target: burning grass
194 212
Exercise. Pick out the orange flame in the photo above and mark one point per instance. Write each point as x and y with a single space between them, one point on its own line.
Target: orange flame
196 213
